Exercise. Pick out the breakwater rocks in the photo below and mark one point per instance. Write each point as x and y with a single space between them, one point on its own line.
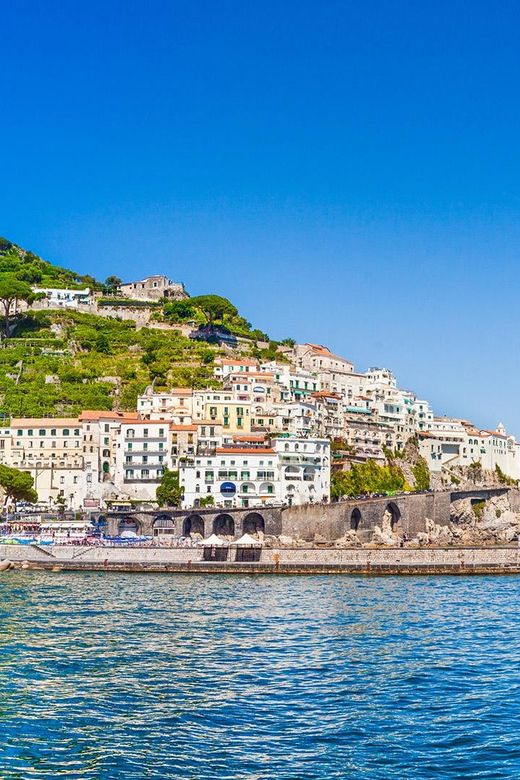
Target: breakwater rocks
452 560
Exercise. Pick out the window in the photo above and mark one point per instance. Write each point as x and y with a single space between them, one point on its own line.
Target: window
89 477
129 473
107 427
161 431
145 432
42 432
129 447
20 432
145 474
76 431
75 480
30 432
145 458
66 432
62 480
145 446
106 440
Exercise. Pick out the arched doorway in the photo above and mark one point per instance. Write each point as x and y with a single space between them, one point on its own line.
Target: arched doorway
128 524
355 519
224 524
392 518
253 523
163 525
193 524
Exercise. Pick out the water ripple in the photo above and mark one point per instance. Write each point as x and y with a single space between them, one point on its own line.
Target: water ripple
110 676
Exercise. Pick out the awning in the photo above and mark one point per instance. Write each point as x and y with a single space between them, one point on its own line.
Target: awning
213 541
247 541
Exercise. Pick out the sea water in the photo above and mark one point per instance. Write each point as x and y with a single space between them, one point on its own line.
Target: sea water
134 676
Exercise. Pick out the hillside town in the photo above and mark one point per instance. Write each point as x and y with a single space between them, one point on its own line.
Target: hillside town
270 434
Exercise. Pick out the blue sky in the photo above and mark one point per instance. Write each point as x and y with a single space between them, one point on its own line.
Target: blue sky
345 172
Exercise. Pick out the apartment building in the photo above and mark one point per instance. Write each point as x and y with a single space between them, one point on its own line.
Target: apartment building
51 450
289 471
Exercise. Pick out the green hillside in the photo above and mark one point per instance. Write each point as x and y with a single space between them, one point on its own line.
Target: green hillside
30 268
58 362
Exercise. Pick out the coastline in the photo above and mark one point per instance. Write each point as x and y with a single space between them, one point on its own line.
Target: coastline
287 561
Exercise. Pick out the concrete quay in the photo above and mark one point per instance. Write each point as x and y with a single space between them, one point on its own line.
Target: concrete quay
377 561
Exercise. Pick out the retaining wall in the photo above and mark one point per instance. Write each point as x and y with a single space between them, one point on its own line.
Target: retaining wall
456 560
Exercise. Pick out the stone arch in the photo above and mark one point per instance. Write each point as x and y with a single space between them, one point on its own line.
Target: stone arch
309 473
224 524
128 523
163 525
253 523
355 519
392 515
193 524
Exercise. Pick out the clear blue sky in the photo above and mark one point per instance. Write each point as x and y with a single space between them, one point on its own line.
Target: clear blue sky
346 172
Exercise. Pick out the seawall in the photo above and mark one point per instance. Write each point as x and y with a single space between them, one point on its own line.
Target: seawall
434 560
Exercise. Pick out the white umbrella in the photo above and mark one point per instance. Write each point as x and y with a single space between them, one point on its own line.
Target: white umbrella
213 541
247 541
128 535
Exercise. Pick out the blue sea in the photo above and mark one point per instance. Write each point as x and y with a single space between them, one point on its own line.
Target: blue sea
133 676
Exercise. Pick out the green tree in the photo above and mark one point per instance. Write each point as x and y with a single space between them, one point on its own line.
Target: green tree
214 308
178 310
169 492
102 344
17 485
421 474
12 290
112 285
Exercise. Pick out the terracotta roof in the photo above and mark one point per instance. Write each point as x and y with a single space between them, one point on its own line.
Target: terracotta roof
174 427
103 415
43 422
245 451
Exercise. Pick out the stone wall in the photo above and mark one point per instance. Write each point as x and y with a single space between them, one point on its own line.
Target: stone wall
333 521
289 561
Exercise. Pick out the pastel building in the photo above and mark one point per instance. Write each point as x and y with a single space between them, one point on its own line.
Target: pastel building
289 471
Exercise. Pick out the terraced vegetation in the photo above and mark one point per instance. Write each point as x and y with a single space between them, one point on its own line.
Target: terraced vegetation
60 362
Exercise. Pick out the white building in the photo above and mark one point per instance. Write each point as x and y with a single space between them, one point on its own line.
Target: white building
56 298
293 471
141 457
